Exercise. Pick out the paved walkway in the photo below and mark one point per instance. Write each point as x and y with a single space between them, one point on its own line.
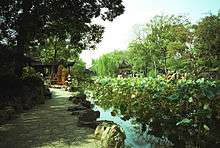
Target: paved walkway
47 126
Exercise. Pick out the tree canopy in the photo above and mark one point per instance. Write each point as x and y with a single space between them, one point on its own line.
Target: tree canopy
26 24
108 64
176 92
172 43
207 37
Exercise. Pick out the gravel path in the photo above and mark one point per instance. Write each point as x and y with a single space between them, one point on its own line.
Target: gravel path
47 126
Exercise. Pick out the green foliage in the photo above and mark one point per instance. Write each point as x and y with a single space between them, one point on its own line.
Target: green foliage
7 61
33 91
170 43
207 33
185 111
79 73
24 92
78 67
27 24
55 50
138 54
11 85
184 122
163 45
28 71
31 78
108 64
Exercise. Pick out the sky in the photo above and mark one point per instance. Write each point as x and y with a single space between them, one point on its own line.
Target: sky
120 32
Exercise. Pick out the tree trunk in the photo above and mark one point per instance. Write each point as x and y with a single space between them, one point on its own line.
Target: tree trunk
54 60
155 68
165 61
22 39
19 60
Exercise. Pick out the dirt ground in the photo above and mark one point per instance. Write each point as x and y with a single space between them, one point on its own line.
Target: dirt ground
47 126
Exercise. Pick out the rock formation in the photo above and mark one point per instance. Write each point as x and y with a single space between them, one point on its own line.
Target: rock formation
110 134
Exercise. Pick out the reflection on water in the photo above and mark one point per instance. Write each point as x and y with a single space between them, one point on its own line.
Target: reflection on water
130 131
134 137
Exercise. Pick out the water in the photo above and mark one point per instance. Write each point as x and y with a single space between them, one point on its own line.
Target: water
134 137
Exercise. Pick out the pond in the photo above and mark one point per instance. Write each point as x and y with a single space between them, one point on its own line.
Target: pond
134 137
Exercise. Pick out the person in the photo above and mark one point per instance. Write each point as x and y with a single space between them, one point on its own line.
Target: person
69 82
69 77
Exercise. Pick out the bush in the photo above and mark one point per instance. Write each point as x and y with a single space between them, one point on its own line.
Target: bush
10 85
33 81
7 60
23 93
185 111
27 71
34 87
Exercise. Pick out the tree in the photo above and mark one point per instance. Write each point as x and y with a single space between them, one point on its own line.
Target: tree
55 50
165 32
138 56
207 41
165 42
78 72
108 64
26 24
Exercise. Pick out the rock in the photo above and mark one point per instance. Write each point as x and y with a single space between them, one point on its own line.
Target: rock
74 89
89 115
7 113
102 127
80 96
87 104
92 124
71 98
87 118
76 101
110 134
77 112
47 93
76 108
113 113
27 106
83 101
68 89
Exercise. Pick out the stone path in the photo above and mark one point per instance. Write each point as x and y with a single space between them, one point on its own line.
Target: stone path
47 126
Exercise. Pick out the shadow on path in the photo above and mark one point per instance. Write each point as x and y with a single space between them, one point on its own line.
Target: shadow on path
47 126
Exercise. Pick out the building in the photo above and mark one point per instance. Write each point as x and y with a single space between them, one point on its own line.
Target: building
124 69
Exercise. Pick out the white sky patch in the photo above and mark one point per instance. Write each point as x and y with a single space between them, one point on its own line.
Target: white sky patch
120 32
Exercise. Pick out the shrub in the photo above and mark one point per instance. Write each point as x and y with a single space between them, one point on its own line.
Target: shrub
10 85
185 111
22 92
